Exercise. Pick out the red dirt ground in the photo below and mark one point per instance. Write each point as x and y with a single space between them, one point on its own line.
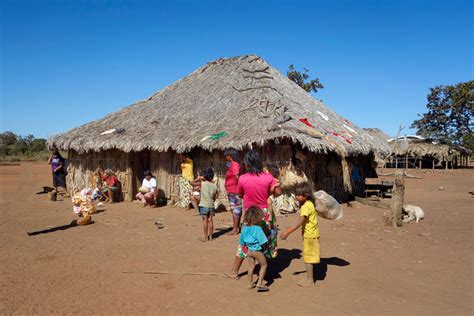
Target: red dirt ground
367 268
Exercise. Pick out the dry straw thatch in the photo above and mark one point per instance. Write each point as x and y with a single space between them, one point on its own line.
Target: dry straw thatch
243 96
421 148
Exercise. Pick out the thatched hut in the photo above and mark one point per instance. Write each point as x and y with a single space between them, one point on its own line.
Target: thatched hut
383 151
418 152
248 102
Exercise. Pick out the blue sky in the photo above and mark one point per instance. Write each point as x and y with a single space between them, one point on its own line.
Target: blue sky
65 63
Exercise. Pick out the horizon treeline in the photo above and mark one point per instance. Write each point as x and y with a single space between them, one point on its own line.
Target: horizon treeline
15 147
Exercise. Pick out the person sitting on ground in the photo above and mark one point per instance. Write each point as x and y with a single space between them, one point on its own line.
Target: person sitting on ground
148 191
110 184
253 239
57 163
310 230
209 194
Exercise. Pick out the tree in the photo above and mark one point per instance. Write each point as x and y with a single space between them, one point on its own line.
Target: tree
302 79
37 145
449 116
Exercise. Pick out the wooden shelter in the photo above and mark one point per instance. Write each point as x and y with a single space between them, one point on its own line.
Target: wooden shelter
242 101
417 152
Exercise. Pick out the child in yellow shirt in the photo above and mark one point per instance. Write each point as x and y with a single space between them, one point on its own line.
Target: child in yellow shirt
310 230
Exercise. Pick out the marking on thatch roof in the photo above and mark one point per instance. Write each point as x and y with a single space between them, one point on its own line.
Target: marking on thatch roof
255 88
264 69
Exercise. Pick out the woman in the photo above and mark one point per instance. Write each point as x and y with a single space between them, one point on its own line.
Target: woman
184 183
57 163
231 181
148 190
255 187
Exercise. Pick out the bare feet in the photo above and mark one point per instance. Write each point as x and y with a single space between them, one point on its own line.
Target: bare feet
231 276
202 239
305 283
233 232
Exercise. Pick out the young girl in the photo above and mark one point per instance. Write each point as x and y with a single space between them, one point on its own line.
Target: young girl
253 238
310 229
206 204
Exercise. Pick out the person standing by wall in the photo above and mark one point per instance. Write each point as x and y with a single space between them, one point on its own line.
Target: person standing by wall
231 181
58 169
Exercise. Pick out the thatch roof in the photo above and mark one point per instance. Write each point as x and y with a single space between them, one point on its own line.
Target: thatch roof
426 147
243 96
382 139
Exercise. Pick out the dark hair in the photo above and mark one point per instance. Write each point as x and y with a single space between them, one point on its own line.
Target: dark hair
273 170
253 216
57 154
232 152
188 155
305 190
147 173
253 162
208 174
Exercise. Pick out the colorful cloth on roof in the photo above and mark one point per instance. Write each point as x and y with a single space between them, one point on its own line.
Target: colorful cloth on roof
305 121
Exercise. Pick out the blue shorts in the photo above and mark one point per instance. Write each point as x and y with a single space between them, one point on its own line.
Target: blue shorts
206 211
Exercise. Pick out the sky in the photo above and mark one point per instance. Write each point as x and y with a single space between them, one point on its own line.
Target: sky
66 63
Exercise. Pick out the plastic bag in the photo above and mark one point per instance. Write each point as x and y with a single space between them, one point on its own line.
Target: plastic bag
327 206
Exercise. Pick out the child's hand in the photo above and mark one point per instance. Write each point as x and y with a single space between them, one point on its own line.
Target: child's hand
284 235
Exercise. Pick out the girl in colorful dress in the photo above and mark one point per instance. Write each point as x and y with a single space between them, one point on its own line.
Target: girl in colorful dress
254 240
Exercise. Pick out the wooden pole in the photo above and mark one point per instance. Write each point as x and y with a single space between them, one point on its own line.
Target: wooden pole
433 163
128 195
419 163
406 161
394 216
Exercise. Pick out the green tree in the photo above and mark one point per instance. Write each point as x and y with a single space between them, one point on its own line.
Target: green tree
37 145
7 140
302 79
449 116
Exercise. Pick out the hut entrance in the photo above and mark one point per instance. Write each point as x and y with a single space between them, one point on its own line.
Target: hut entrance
140 163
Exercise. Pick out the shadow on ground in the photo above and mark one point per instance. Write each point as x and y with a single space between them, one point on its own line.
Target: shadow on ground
320 270
54 229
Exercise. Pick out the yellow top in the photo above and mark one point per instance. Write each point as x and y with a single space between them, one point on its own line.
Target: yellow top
310 225
187 169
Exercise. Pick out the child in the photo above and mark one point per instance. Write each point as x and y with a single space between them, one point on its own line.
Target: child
253 238
310 229
206 204
275 172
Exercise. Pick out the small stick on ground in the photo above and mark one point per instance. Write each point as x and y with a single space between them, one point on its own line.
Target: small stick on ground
174 273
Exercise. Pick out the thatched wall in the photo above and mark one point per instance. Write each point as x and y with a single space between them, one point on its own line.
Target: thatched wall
324 171
82 166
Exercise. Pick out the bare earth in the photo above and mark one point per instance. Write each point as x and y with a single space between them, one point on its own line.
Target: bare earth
367 268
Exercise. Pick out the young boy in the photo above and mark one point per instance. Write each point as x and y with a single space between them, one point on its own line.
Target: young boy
310 229
206 204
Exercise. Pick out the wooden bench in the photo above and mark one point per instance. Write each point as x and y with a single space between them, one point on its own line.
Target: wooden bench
372 185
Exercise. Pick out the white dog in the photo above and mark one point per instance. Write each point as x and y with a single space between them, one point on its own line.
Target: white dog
412 213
